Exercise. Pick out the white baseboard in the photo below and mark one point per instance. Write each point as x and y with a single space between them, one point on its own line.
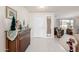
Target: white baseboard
3 50
41 37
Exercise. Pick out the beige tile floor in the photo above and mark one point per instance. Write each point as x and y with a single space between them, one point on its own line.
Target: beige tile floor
45 45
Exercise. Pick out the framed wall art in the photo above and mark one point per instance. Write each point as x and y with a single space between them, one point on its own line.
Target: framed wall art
10 13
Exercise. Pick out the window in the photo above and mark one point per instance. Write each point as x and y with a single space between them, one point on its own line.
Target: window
66 24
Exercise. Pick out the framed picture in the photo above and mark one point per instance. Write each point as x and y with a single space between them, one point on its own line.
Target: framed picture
10 13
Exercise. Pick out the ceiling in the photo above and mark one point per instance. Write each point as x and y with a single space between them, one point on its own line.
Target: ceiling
55 9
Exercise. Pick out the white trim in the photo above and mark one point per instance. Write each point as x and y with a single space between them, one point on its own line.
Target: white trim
41 37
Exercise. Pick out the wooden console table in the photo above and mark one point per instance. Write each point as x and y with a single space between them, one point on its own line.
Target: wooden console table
20 43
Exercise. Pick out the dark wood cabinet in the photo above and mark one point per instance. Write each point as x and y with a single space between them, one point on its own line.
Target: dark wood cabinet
20 43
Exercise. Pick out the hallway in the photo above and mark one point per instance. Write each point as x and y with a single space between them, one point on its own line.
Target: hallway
44 45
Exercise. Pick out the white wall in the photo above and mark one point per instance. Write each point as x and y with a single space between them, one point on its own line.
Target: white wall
39 24
2 28
56 22
22 14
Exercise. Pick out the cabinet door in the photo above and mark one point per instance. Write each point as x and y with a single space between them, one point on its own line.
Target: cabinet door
12 46
24 41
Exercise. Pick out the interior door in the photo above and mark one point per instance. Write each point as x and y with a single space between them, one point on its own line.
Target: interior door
38 26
